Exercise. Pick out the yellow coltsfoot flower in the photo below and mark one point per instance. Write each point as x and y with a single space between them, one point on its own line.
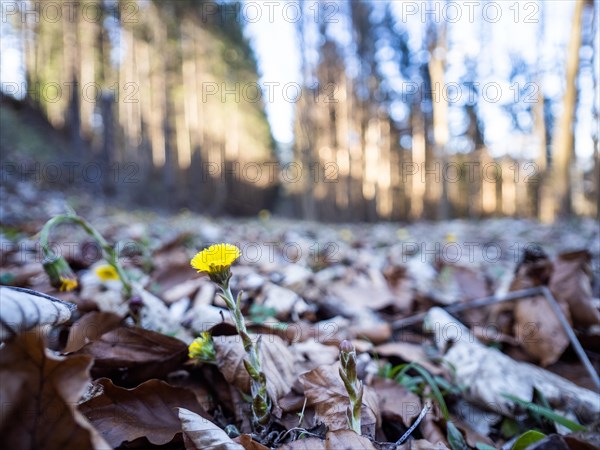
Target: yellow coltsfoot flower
106 273
216 260
202 348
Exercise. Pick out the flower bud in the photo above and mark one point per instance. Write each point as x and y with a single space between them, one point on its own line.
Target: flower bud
346 346
60 273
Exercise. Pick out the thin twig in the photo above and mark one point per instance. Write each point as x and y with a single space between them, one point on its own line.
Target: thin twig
485 301
571 334
406 435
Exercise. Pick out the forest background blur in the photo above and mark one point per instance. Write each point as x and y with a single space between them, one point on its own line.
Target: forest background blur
396 111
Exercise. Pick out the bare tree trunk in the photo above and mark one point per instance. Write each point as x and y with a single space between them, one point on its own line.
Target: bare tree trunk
437 70
418 161
71 79
564 139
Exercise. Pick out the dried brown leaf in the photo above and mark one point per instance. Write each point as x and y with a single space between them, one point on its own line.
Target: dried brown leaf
421 444
89 328
402 287
149 410
311 354
571 283
431 431
396 402
347 440
539 331
246 441
24 309
409 353
200 433
362 293
310 443
38 394
334 440
130 355
536 326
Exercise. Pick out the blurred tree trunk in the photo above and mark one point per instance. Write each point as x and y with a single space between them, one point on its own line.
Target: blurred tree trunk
473 178
304 131
418 156
71 81
438 192
596 119
544 206
563 150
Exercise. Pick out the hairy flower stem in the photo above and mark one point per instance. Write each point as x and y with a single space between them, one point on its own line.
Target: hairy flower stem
353 385
261 402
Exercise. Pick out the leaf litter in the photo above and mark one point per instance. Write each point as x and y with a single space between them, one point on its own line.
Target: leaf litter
108 375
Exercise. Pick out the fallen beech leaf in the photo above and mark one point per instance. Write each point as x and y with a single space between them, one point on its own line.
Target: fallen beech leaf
539 331
311 354
310 443
148 410
325 392
24 309
129 355
362 293
375 332
89 328
456 283
431 430
347 440
334 440
284 301
38 394
402 287
200 433
536 326
396 402
276 360
172 269
583 440
245 440
421 444
409 353
571 283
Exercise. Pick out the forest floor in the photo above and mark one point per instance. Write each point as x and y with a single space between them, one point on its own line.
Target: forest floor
119 365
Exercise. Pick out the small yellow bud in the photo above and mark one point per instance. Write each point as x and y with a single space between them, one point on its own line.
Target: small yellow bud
106 273
60 274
